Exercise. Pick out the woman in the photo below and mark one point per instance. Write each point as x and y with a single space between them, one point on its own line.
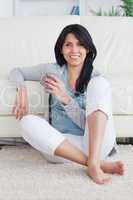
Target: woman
81 128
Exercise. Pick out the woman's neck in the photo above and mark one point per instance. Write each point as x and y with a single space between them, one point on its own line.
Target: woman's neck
73 75
73 72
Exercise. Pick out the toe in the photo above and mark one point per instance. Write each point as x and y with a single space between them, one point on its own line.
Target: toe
107 180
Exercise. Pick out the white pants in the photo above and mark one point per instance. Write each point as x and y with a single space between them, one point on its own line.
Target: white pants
42 136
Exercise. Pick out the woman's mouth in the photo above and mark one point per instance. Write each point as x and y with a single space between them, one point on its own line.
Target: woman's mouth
74 56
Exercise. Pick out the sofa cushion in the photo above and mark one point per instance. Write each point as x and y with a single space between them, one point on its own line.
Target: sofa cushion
122 93
113 37
122 97
27 41
123 125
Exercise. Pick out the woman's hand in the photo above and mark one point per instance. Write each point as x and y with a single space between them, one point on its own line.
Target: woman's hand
56 87
21 104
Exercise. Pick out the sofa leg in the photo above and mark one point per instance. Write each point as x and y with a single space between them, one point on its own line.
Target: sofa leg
125 141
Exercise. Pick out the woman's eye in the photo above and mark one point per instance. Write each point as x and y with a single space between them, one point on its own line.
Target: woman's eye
81 44
70 45
67 45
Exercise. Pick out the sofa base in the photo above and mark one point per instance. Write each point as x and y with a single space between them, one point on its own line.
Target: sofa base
9 126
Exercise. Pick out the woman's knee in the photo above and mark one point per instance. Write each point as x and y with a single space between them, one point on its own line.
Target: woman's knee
33 124
38 132
26 120
30 122
99 96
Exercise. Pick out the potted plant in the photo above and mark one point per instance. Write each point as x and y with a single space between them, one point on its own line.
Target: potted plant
126 9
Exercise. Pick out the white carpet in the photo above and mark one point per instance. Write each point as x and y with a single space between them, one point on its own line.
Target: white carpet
26 175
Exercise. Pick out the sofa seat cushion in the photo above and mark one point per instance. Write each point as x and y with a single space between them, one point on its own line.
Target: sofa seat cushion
14 130
122 97
38 99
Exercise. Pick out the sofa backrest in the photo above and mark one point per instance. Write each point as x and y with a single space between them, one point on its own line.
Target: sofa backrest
26 41
113 37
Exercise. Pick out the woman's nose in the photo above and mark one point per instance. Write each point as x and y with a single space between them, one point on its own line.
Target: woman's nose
74 49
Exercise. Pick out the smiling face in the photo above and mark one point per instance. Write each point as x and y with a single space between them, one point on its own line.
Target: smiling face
73 52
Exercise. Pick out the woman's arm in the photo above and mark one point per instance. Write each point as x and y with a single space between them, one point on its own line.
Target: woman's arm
56 87
33 73
20 107
18 76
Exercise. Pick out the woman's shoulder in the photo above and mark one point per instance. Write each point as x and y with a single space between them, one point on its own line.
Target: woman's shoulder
95 73
99 79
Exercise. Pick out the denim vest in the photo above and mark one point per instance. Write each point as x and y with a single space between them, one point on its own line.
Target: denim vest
57 114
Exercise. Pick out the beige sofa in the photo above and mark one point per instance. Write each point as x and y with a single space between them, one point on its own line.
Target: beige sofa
30 40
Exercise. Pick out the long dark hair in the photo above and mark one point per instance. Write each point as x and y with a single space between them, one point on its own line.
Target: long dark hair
82 34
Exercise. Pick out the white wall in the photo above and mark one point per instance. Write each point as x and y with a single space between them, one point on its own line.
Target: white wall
52 7
36 7
6 8
44 7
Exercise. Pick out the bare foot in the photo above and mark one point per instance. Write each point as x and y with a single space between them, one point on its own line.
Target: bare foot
116 167
97 174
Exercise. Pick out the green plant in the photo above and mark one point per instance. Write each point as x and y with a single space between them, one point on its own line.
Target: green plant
127 7
112 12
